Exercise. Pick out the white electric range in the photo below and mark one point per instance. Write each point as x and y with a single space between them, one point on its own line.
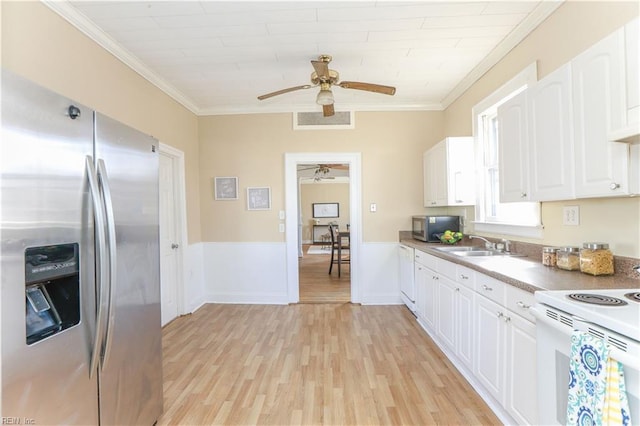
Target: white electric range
611 314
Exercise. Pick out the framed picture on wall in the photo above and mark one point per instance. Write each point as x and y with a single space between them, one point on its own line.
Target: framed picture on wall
226 188
259 198
326 209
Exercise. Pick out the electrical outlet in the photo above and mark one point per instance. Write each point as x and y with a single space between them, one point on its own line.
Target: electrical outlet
571 215
281 227
281 214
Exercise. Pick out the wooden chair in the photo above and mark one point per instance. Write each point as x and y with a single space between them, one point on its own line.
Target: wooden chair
335 242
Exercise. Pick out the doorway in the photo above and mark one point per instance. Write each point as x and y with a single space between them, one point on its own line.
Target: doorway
172 220
292 221
324 199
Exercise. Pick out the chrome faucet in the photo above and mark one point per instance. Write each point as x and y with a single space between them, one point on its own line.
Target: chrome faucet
507 245
487 244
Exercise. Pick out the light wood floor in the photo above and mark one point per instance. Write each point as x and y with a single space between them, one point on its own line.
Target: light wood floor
316 285
310 364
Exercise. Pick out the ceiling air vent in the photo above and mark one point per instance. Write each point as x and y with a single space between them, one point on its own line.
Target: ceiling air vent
316 121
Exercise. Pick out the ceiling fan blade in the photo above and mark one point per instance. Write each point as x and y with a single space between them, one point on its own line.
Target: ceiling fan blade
283 91
327 110
369 87
322 69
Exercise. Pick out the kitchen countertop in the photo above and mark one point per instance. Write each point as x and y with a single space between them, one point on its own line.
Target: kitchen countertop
526 273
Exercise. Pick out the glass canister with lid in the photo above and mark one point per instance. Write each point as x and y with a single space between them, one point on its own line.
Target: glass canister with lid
596 259
568 258
549 256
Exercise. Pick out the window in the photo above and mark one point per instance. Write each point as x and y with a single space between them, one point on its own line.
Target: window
522 219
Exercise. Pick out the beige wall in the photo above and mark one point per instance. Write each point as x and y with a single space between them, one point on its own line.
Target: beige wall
41 46
321 192
570 30
252 147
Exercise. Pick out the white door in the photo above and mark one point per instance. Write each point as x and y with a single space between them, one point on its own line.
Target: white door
168 239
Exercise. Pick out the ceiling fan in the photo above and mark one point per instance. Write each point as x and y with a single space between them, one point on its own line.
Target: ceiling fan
321 171
325 78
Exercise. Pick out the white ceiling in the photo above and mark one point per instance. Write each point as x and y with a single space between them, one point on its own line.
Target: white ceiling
217 57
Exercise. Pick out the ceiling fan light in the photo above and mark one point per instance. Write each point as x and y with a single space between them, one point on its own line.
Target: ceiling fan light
325 97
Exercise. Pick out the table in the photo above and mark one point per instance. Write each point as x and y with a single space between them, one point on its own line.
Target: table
340 236
319 232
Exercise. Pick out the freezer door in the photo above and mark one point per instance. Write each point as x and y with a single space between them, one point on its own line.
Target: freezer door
131 373
46 204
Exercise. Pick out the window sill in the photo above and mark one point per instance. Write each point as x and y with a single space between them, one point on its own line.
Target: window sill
510 229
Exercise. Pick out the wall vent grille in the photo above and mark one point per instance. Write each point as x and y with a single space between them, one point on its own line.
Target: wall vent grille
316 121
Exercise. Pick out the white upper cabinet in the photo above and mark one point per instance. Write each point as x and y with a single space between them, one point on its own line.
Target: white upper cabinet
550 137
449 173
513 156
599 107
632 54
630 129
435 176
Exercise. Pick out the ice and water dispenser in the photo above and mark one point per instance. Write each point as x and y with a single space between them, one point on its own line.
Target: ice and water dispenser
52 277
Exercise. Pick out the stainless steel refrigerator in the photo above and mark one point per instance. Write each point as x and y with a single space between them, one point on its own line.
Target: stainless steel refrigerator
80 275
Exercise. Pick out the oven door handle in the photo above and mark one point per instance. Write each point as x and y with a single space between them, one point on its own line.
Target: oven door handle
629 359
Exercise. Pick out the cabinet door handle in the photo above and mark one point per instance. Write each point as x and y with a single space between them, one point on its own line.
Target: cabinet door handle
457 288
463 277
499 314
486 288
614 186
506 318
523 195
523 305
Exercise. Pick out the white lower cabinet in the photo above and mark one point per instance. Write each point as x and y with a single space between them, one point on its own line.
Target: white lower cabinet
426 280
521 393
465 299
484 326
446 323
490 348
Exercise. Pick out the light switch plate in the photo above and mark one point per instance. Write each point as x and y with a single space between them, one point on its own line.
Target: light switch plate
571 215
281 227
281 215
373 207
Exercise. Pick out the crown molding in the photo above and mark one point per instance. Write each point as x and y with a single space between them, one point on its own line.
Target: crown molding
535 18
87 27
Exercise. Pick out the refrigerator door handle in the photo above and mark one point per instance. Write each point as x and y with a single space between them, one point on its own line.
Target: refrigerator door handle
111 239
101 278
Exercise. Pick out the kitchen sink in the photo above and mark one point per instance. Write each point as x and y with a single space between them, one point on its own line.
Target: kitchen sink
460 248
479 253
473 251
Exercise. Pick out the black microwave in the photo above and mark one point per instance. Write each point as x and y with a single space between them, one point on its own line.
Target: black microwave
427 228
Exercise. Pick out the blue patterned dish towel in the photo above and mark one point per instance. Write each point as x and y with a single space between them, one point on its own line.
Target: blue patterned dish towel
597 394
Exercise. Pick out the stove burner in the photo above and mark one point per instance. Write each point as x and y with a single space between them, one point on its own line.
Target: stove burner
633 296
597 299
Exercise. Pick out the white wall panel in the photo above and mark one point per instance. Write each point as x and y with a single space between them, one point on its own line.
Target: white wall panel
379 274
194 292
245 273
256 273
